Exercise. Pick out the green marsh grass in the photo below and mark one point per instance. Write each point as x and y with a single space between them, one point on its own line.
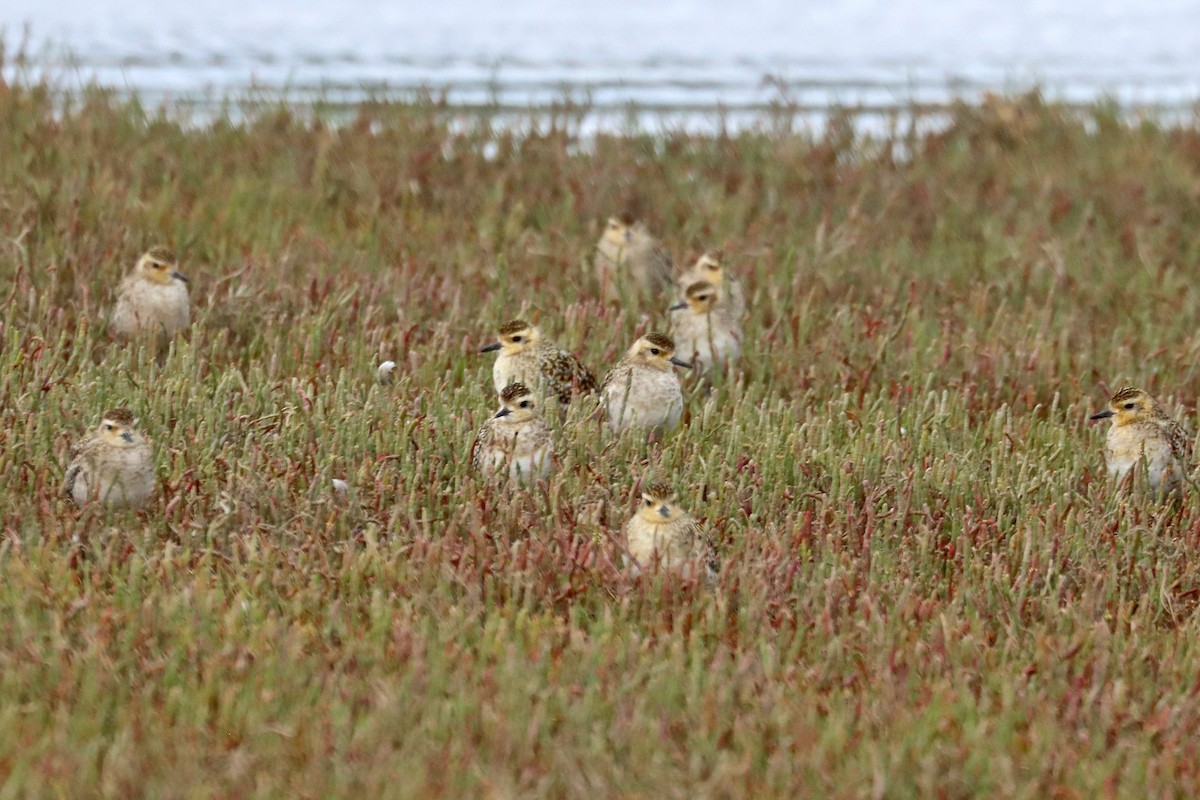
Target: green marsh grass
929 589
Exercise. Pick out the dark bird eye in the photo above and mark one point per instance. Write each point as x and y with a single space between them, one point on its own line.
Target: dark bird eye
1129 405
517 339
655 350
524 404
648 502
108 427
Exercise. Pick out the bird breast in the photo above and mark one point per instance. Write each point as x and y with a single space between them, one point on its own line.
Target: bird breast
647 398
1130 445
143 305
705 339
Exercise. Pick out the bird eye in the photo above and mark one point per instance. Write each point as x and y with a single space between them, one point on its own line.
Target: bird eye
108 426
517 338
524 404
655 350
1129 405
648 502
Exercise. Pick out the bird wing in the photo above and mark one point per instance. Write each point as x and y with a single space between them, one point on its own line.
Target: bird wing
569 375
483 440
1181 443
661 266
582 377
73 473
704 545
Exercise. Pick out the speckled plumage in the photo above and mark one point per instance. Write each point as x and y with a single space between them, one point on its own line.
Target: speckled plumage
526 356
516 440
627 253
642 391
662 533
152 299
113 464
708 268
704 334
1143 435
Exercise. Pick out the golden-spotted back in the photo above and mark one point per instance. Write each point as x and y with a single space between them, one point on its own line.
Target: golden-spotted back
527 357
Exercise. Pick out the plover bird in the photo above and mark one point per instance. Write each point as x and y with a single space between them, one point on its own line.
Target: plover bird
1143 436
527 357
516 440
705 334
113 464
661 532
152 299
642 391
628 256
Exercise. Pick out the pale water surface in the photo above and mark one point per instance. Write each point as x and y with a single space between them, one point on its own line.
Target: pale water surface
677 54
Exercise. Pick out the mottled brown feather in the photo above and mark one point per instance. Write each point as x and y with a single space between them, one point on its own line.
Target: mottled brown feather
661 340
514 326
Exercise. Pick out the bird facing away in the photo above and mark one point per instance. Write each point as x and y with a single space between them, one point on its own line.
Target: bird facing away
708 268
516 441
152 299
703 332
628 256
383 374
661 532
527 357
113 464
1143 436
642 391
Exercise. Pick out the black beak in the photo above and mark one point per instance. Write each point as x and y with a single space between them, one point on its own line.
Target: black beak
664 511
1102 414
127 436
504 412
179 276
678 306
679 363
491 347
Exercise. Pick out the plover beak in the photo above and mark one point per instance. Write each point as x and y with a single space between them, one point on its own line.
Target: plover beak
1105 414
127 436
504 412
179 276
678 306
679 363
491 348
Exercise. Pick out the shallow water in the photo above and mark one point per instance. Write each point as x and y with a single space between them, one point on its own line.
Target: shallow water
685 56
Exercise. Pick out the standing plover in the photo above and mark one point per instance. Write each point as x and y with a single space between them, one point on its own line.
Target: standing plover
627 255
516 440
113 464
1143 436
642 391
152 299
703 332
661 532
527 357
708 268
